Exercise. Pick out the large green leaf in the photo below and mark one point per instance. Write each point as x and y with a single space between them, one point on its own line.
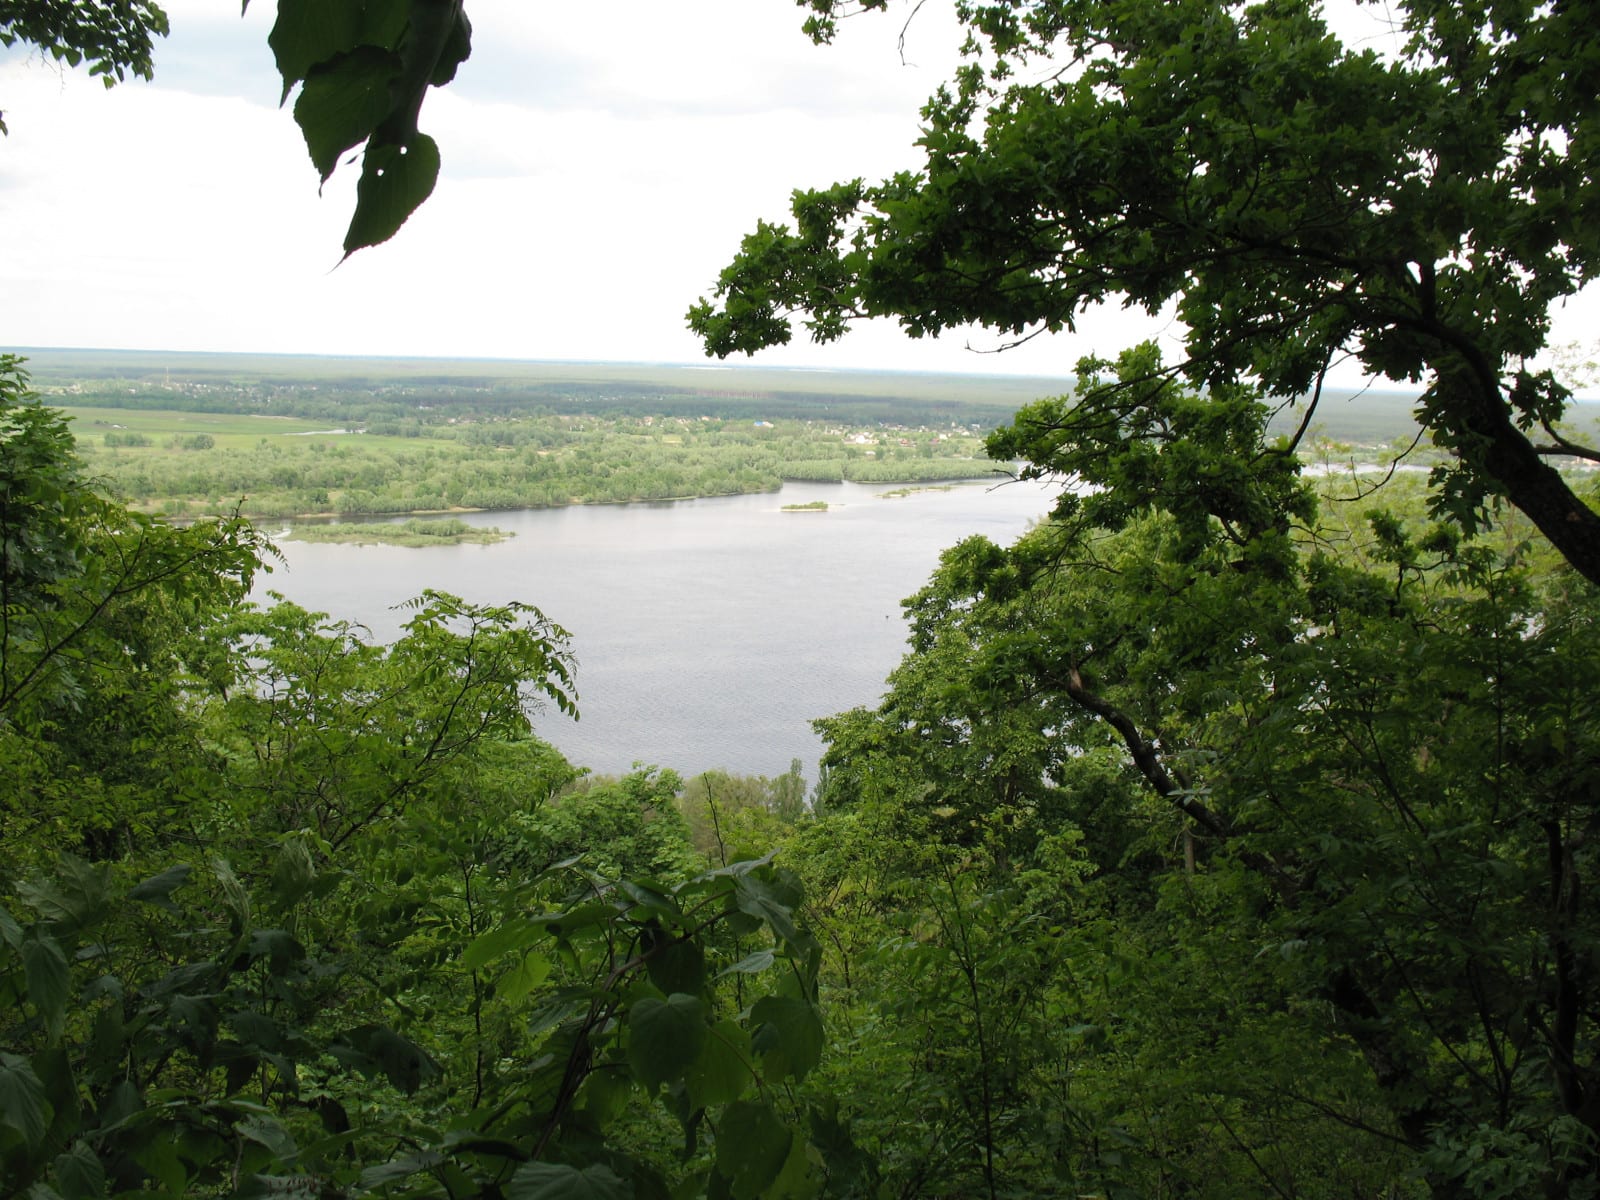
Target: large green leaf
751 964
797 1178
54 1068
308 32
383 22
375 1049
106 1038
789 1036
531 970
342 102
394 181
487 947
401 1168
605 1095
79 1174
752 1147
277 946
557 1181
850 1169
22 1100
677 965
158 889
75 896
455 51
648 894
234 896
266 1131
294 873
664 1037
772 897
721 1072
49 983
164 1165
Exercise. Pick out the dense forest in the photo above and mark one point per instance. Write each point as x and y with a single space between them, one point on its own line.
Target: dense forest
187 464
1231 834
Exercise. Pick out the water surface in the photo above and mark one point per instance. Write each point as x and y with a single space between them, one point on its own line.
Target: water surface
708 633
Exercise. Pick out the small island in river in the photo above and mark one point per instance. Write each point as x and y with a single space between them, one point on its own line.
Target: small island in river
415 532
902 492
810 506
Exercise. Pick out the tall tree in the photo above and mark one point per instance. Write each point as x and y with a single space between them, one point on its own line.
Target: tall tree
1338 770
1300 202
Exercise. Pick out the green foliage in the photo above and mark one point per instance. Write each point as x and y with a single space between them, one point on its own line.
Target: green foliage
1135 441
730 817
332 734
126 439
44 496
157 1047
411 964
510 462
363 68
627 1008
100 612
113 39
1236 789
1215 840
370 393
618 827
236 1063
1301 202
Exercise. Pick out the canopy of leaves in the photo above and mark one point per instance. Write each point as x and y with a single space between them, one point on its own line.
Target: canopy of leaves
1300 202
113 36
1242 783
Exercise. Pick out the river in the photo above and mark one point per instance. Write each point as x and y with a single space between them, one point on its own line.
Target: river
708 633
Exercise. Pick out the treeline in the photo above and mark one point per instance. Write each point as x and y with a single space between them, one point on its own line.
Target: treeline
530 463
437 401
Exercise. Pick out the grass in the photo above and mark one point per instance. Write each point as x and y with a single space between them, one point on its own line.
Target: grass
92 424
231 431
811 506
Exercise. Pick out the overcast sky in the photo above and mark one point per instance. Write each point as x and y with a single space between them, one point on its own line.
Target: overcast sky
601 162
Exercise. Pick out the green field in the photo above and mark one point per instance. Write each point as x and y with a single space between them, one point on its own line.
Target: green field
231 430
